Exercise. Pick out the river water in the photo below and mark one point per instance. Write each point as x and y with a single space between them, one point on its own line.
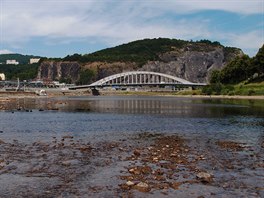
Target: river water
205 125
240 120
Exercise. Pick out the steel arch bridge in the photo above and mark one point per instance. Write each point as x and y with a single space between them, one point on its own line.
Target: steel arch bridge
139 78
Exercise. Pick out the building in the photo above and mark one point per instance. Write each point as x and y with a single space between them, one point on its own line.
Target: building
34 60
2 76
12 62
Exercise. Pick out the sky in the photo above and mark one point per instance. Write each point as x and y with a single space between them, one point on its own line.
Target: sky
57 28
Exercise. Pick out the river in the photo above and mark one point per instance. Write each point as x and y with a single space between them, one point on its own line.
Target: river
112 118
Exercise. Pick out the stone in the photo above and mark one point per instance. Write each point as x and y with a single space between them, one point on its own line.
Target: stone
175 185
136 152
130 183
204 177
142 187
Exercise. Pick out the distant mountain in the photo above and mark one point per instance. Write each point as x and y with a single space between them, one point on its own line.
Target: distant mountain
22 59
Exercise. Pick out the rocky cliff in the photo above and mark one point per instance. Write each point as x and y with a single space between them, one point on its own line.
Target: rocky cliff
192 61
194 66
52 70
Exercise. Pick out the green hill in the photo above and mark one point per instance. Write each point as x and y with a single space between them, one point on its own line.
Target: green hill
22 59
145 50
23 71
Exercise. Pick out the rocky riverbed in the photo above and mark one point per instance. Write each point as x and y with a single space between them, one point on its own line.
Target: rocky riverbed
139 165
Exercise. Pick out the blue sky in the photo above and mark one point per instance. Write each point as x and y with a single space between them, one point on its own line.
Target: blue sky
56 28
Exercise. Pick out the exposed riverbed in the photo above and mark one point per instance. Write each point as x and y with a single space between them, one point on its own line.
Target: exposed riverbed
129 146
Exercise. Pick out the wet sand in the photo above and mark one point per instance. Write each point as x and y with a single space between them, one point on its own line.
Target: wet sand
140 165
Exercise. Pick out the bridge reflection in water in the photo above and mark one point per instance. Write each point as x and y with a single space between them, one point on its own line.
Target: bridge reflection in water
142 106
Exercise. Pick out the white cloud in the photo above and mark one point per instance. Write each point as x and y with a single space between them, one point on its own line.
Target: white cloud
117 21
235 6
5 51
250 41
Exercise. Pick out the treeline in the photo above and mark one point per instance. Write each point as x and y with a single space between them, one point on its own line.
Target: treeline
23 72
138 51
241 69
22 59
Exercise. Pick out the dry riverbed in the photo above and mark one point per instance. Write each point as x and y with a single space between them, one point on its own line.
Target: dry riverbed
140 165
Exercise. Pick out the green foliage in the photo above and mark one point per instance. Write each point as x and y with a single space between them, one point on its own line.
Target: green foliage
65 80
23 72
86 77
241 69
142 51
22 59
249 89
137 51
240 89
213 89
215 76
215 43
74 57
258 61
236 71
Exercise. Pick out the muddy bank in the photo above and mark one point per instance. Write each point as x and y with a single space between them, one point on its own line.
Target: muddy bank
138 165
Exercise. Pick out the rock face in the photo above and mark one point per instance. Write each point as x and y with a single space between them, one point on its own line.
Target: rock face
104 69
194 66
190 63
51 70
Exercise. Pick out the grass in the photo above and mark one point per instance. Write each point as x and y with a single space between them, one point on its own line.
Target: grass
252 89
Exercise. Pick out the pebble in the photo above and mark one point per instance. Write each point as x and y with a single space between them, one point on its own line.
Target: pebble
130 183
204 177
136 152
142 187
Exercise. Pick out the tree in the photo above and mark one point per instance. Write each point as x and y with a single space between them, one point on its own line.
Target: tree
215 76
86 77
236 71
258 61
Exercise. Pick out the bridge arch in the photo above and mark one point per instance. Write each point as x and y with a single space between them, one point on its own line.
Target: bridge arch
139 78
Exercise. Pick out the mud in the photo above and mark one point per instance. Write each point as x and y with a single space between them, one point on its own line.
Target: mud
139 165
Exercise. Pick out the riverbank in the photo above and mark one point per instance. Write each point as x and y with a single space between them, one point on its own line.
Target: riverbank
61 93
130 147
139 165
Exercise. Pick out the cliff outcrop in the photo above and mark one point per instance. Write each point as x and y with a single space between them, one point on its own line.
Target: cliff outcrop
194 66
192 61
53 70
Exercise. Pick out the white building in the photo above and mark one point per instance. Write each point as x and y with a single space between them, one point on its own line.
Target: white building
2 76
34 60
12 62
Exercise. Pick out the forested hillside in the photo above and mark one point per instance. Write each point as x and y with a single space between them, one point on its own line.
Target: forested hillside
24 70
22 59
142 51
